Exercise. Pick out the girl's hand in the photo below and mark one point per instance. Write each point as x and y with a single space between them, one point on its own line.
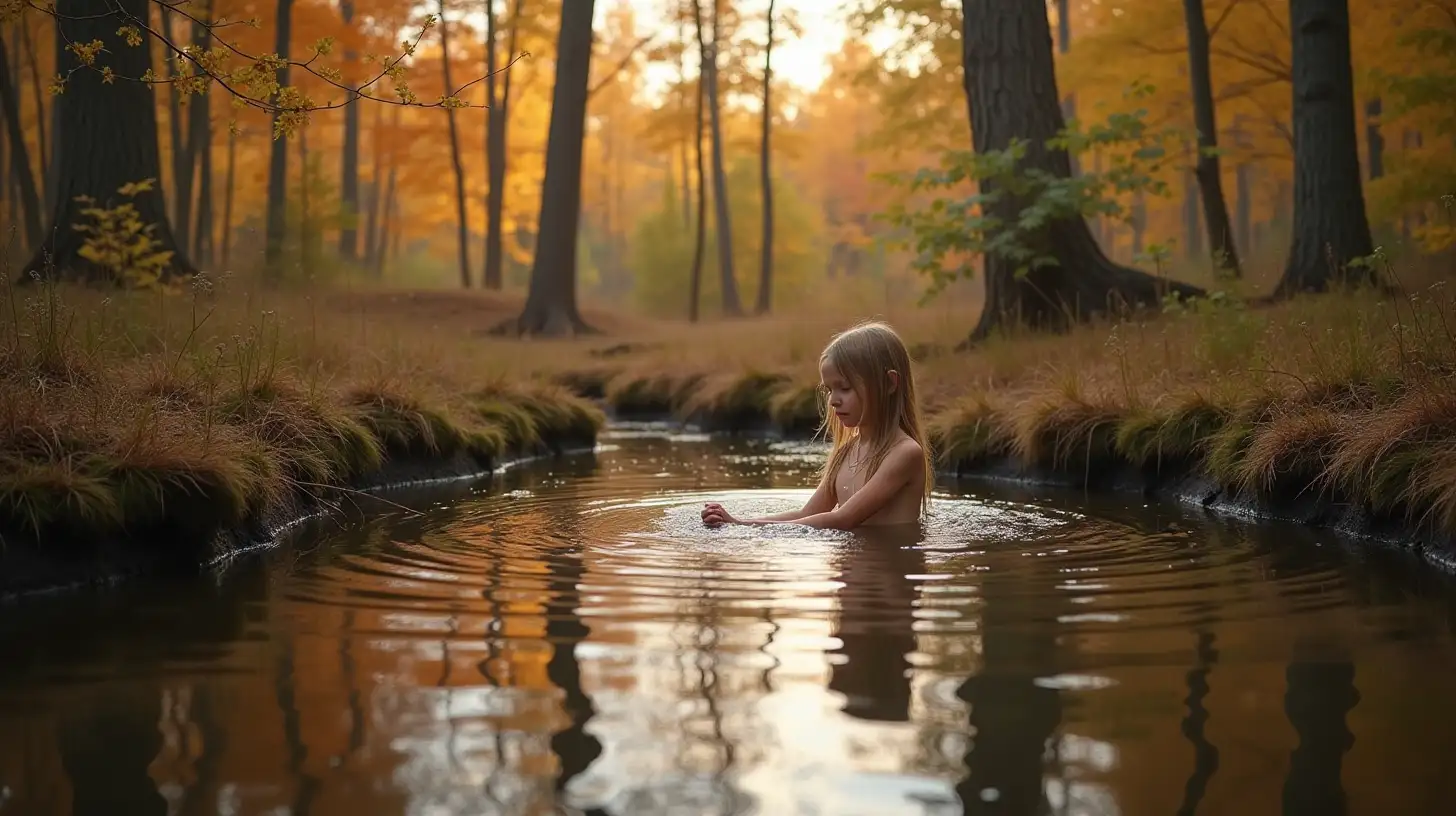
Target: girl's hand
715 516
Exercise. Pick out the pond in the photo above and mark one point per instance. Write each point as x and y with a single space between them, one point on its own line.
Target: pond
566 637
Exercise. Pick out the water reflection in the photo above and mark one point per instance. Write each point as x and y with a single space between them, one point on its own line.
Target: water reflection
567 639
876 629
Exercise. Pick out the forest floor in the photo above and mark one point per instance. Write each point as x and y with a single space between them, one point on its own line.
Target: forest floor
111 405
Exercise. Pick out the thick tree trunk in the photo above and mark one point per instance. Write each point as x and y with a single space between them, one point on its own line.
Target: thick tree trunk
1330 224
551 303
700 239
723 221
1374 140
765 274
349 172
462 227
229 186
109 135
1210 178
20 169
1012 92
276 228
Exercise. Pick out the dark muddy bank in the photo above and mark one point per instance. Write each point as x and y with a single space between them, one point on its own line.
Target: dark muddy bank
182 545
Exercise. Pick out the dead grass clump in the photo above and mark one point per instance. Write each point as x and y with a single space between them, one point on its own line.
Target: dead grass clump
405 426
317 441
1228 445
649 392
1402 456
734 399
70 494
1175 430
537 414
1066 427
970 432
1286 454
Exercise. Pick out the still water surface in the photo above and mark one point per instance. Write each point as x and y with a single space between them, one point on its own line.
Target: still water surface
567 638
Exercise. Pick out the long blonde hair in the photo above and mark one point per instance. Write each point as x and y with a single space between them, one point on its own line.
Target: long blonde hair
865 355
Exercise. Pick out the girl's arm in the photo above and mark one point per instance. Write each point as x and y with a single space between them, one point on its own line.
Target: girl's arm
898 469
822 501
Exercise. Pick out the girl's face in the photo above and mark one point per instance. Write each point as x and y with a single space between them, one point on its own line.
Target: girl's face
843 400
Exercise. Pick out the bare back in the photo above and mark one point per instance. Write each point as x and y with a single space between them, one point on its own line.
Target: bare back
902 508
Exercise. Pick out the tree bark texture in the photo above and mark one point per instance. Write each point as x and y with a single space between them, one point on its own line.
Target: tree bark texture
1210 178
19 153
108 134
551 301
1330 224
1011 88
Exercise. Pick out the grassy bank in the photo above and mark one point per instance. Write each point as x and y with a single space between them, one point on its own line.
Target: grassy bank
139 410
162 419
1350 397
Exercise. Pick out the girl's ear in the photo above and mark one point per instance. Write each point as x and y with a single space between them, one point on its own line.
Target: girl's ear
894 380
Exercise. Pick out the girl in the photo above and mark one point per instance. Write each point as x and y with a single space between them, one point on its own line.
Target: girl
878 471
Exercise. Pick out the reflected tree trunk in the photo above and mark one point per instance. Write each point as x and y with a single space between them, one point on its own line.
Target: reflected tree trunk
107 748
1318 697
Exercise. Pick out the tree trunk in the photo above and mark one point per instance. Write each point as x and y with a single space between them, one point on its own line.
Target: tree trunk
495 149
53 169
1011 87
371 224
1139 222
20 168
109 135
765 275
1330 225
462 227
229 185
682 104
382 250
349 173
1210 178
199 149
44 146
184 160
203 236
695 285
551 303
277 215
723 222
1374 140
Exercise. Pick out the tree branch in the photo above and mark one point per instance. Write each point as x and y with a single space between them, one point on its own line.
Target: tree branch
621 65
